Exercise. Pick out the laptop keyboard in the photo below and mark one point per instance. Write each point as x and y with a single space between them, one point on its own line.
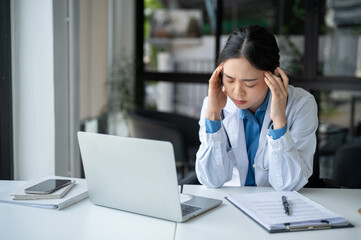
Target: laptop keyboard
186 209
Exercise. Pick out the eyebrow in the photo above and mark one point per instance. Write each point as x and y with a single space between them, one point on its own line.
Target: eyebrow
246 80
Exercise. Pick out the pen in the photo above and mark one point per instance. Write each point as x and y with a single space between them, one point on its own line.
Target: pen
285 205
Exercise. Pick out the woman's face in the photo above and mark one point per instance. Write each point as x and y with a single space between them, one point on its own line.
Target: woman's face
244 83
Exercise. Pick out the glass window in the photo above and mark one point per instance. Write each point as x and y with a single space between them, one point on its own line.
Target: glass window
178 36
285 19
340 39
341 109
340 122
182 98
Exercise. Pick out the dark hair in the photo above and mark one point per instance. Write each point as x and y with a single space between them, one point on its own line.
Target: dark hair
255 44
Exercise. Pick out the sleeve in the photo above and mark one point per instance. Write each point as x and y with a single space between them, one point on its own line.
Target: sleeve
212 126
277 133
213 165
290 157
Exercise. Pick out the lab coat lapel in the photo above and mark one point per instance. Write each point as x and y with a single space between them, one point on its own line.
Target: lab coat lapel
235 129
232 124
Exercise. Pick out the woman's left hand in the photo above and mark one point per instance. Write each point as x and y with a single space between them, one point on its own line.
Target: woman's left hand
279 89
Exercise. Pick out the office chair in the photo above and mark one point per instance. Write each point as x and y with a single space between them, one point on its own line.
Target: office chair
180 130
347 165
331 140
190 179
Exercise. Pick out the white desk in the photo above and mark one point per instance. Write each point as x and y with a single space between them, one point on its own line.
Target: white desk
80 221
227 222
87 221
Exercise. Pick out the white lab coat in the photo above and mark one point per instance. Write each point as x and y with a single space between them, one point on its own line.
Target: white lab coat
289 158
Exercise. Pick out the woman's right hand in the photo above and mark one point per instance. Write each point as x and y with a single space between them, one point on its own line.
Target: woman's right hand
217 97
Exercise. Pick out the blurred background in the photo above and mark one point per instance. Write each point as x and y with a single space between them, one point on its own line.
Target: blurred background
123 67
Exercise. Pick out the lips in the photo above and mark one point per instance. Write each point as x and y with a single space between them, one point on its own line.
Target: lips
240 102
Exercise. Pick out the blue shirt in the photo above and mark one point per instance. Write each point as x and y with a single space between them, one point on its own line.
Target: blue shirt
252 128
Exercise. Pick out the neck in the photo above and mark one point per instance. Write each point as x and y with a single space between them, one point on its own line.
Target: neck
254 109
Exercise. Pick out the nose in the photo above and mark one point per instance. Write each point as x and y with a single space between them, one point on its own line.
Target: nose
239 88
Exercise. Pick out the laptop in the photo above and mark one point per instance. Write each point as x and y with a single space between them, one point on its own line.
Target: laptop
138 176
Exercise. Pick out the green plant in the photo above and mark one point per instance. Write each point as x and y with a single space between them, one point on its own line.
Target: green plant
294 64
120 85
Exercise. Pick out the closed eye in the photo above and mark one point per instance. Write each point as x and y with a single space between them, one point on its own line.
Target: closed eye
250 85
228 79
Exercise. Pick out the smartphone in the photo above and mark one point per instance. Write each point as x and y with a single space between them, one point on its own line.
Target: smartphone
47 186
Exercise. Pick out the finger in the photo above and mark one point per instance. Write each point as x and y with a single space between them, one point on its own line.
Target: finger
285 80
272 80
215 79
224 90
270 84
284 77
277 82
271 87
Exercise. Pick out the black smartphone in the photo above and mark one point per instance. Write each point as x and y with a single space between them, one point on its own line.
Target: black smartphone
47 186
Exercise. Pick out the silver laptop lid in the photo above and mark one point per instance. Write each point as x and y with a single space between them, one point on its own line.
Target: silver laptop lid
131 174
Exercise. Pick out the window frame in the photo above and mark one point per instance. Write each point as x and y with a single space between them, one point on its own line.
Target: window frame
310 80
6 119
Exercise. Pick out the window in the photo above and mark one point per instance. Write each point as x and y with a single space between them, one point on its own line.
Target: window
319 45
338 62
340 39
179 36
285 19
182 40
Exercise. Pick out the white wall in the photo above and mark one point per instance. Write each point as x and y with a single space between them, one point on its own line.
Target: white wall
47 71
46 92
33 88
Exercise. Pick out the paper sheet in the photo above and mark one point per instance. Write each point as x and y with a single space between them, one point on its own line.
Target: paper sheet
267 209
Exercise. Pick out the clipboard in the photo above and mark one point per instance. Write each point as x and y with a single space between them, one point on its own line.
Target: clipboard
266 210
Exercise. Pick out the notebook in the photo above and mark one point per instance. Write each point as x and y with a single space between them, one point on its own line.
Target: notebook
77 193
20 194
137 176
267 210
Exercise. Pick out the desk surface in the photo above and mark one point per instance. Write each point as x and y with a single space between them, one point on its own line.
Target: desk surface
87 221
227 222
79 221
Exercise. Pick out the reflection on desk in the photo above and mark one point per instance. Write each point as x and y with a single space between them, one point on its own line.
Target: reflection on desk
87 221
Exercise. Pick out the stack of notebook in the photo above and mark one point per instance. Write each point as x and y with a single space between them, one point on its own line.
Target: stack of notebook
72 193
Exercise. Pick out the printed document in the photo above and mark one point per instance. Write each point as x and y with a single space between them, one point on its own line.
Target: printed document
267 209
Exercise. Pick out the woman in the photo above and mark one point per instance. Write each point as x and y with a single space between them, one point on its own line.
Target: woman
255 129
